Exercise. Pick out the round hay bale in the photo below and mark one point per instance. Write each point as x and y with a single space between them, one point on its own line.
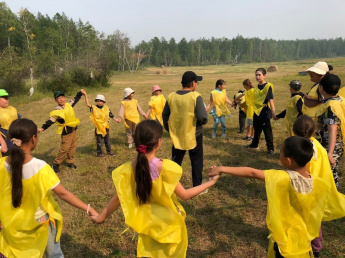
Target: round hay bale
272 68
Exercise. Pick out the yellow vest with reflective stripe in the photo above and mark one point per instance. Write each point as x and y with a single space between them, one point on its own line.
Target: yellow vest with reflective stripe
157 104
100 117
182 120
7 116
68 115
219 100
291 113
159 223
22 236
259 98
131 111
294 219
249 95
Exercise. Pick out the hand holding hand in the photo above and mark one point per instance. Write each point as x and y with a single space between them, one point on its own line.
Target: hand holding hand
39 130
214 171
83 91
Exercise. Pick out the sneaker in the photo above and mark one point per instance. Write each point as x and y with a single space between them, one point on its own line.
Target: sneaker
111 154
130 145
100 155
56 168
250 138
247 137
223 136
71 165
214 135
270 152
252 147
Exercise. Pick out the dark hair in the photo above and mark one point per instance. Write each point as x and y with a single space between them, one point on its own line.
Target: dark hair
330 68
304 126
147 133
263 70
21 129
246 82
220 82
299 149
187 85
331 84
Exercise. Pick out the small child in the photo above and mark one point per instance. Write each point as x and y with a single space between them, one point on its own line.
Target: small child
100 114
7 115
296 201
239 99
64 117
146 190
156 104
31 218
219 110
331 121
294 106
319 166
129 113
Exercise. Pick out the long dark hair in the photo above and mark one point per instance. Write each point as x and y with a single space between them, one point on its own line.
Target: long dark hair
146 137
23 130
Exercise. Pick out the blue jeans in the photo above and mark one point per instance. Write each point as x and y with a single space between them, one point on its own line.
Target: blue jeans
53 249
220 119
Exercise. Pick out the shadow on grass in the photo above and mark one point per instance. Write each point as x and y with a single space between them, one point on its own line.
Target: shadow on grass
71 248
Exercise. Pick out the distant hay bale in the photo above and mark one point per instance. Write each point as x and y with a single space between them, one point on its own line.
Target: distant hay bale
272 68
158 71
165 71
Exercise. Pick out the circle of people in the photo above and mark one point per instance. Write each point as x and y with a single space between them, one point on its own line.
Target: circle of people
299 197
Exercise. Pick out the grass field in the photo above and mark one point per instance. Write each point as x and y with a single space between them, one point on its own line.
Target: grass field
228 221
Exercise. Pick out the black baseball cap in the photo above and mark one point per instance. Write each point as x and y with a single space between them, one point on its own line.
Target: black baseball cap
58 94
190 76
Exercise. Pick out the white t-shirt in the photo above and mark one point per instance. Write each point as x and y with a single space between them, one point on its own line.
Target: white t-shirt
300 183
29 170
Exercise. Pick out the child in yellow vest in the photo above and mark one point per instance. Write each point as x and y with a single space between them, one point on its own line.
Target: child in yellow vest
100 114
7 115
156 104
319 166
64 117
331 121
219 100
129 113
30 217
146 189
240 100
296 200
294 106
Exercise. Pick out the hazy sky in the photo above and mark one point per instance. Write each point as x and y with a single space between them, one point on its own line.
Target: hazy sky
194 19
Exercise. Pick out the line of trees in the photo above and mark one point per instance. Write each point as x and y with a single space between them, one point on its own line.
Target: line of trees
61 53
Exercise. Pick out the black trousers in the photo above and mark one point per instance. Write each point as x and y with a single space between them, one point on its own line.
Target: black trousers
265 126
99 138
242 120
196 156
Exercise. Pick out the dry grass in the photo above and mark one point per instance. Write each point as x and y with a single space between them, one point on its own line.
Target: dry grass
229 221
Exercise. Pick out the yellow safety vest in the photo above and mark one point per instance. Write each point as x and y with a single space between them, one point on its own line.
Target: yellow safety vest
100 117
311 111
319 166
7 116
291 113
159 223
338 108
259 98
294 219
182 120
341 92
131 111
68 115
157 104
249 95
219 100
22 236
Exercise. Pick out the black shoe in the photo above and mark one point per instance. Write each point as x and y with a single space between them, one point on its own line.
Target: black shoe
252 147
111 154
99 156
270 152
56 168
71 165
316 254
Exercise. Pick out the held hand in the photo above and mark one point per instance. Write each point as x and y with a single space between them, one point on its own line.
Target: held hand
117 120
214 171
214 178
331 160
96 219
39 130
93 212
275 118
83 91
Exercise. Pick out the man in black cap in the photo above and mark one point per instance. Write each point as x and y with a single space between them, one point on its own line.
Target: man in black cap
183 116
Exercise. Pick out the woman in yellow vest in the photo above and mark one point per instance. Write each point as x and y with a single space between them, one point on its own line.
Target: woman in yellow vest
31 219
156 104
319 166
294 106
7 115
313 99
129 113
296 200
146 190
219 99
100 114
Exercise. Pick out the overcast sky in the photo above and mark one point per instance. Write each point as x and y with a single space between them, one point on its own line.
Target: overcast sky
194 19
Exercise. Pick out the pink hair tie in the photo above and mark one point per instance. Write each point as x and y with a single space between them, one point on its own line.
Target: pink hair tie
142 149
